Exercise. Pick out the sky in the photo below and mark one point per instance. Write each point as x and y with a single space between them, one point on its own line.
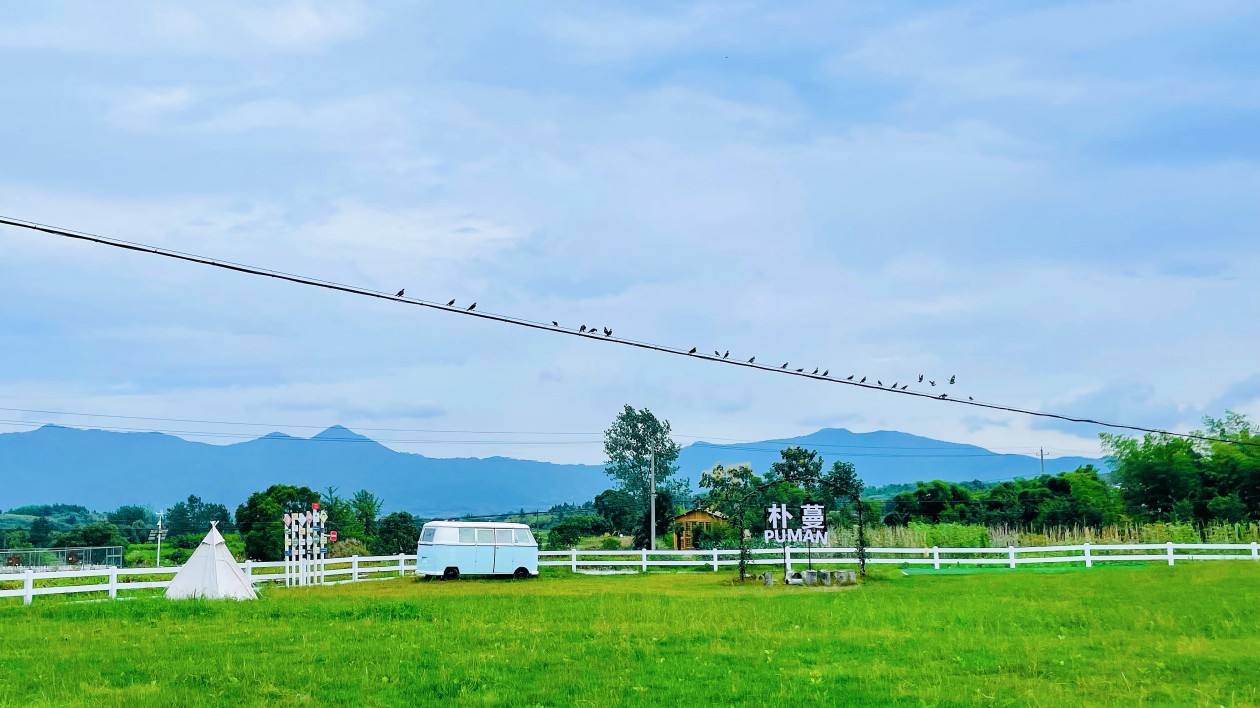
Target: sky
1058 203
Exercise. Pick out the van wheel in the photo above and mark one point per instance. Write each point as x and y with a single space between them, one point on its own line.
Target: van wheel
520 574
450 574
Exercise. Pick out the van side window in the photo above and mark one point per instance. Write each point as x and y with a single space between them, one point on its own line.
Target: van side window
523 537
466 536
503 537
426 536
485 536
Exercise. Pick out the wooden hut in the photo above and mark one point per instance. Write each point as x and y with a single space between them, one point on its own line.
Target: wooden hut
687 523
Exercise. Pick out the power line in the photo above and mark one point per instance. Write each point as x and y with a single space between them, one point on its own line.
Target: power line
543 326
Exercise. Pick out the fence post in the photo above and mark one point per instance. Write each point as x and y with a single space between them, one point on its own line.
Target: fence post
1089 561
715 561
644 560
1170 553
402 565
787 559
936 557
249 569
1255 551
1011 552
573 559
28 586
113 582
354 568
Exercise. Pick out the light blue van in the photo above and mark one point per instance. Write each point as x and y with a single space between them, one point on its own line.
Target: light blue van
449 549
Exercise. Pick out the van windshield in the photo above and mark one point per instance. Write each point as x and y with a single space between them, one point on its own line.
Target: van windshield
426 536
524 538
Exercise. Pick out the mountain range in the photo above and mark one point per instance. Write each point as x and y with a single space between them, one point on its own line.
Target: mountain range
105 469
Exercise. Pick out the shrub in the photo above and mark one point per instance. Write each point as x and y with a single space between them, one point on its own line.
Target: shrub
610 543
348 547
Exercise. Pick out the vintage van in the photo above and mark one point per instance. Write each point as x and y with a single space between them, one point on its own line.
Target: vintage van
449 549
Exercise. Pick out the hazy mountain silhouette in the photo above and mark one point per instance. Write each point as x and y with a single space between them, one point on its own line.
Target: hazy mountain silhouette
103 469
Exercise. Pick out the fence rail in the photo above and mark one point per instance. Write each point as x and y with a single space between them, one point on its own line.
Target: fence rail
334 571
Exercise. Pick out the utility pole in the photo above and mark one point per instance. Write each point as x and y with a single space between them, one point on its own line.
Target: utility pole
1043 461
158 564
652 503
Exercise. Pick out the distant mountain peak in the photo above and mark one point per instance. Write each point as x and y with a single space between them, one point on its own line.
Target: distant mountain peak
340 432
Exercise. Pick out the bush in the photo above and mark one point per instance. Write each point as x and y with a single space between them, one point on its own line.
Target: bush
610 543
347 548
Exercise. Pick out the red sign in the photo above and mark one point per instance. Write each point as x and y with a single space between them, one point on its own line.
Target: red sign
332 536
315 506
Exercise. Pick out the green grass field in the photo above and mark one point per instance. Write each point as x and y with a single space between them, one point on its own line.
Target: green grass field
1183 635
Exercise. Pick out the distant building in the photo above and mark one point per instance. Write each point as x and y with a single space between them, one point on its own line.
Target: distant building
687 523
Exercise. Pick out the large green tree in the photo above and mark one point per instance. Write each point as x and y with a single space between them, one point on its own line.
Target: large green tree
261 518
636 443
396 533
619 509
41 532
193 516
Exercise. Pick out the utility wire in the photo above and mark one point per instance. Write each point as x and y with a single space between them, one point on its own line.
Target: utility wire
530 324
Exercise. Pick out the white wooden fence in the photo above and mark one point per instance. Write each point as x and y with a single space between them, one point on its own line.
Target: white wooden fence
354 569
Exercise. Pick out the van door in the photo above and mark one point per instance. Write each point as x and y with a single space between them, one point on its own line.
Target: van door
504 551
483 563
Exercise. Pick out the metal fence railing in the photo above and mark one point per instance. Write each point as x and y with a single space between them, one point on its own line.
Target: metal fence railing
17 560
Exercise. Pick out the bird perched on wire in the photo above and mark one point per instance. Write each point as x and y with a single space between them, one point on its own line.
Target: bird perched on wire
717 353
752 359
863 380
969 398
452 302
943 395
784 365
800 370
828 371
583 329
905 386
728 353
607 332
693 351
894 384
850 378
555 324
815 371
400 292
472 307
881 383
951 380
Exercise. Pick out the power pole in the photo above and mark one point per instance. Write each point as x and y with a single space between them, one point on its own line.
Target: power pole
652 504
159 539
1043 461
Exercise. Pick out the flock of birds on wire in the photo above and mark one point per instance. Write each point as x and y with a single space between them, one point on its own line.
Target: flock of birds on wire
607 332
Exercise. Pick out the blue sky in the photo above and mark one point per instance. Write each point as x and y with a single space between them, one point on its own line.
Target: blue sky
1055 201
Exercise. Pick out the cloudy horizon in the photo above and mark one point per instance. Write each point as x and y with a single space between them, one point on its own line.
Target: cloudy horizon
1054 202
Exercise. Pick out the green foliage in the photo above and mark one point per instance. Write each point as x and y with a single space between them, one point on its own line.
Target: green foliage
100 533
570 530
610 543
341 516
41 532
396 533
260 518
195 515
620 510
52 510
1165 478
348 547
366 507
631 443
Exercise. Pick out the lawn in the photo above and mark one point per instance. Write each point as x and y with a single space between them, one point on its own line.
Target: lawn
1183 635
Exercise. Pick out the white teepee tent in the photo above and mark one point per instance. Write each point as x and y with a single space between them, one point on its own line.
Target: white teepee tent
212 573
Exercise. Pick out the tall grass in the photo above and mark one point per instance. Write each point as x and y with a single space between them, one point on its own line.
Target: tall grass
919 535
